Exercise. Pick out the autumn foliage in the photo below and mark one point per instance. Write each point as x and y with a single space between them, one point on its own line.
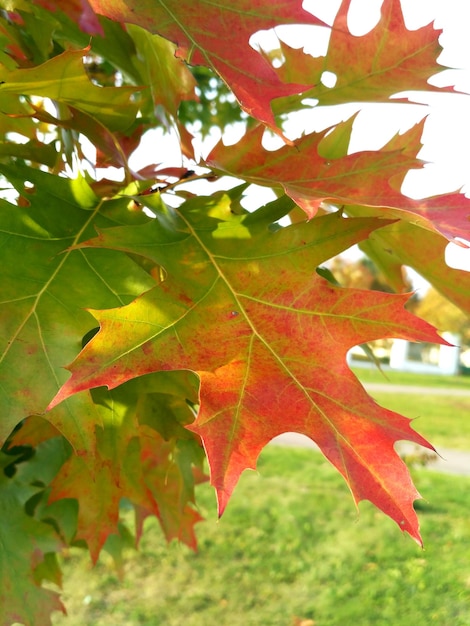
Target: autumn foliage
148 325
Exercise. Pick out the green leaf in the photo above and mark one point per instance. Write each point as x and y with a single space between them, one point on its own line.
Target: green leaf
46 286
168 78
27 546
424 251
63 78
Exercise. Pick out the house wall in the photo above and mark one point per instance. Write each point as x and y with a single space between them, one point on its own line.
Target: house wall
446 360
406 356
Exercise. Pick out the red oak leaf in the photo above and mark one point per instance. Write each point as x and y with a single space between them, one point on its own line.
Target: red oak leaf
424 251
154 483
310 176
130 459
387 60
220 40
98 501
78 11
268 338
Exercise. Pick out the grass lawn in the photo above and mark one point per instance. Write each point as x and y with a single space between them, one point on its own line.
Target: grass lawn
443 419
290 551
373 375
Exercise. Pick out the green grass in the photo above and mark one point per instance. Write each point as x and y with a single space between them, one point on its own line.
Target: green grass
291 547
373 375
443 420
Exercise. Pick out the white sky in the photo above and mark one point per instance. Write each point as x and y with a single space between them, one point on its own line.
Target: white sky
446 138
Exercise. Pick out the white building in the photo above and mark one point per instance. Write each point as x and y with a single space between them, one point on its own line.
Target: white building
423 358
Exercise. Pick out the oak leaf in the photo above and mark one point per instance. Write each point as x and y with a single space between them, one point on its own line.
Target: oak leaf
131 459
25 544
78 10
312 172
42 310
404 243
63 78
268 338
389 59
222 43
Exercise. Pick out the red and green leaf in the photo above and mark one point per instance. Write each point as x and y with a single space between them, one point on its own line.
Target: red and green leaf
42 309
387 60
260 346
138 434
310 175
248 74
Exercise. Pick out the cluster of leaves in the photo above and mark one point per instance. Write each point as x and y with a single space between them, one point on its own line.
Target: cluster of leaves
215 331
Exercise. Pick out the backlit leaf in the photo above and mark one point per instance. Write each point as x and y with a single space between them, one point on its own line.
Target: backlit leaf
251 78
168 78
42 309
310 175
270 355
424 251
388 60
63 78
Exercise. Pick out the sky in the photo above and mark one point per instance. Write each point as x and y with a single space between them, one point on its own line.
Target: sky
446 137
